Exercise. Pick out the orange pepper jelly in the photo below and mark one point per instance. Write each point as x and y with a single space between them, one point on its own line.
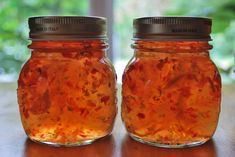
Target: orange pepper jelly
66 90
171 89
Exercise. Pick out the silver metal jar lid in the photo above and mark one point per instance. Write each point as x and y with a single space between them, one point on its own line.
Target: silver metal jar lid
172 28
67 27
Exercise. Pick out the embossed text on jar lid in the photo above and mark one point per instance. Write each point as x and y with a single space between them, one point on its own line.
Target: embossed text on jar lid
172 28
67 27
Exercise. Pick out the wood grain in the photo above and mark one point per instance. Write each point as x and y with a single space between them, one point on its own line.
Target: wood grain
14 142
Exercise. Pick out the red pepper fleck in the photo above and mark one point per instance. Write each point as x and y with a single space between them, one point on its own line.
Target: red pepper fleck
141 67
68 55
166 138
141 115
70 108
87 63
132 86
82 110
98 108
206 114
190 109
128 109
169 95
91 104
82 135
83 53
96 84
173 81
211 84
25 113
69 84
105 99
161 63
85 91
194 135
58 119
185 91
173 60
41 104
52 80
41 72
93 71
193 115
172 108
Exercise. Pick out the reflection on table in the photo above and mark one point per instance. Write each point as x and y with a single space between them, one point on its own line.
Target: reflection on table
101 148
131 148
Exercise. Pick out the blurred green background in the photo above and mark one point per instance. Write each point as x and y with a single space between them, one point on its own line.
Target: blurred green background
223 30
14 28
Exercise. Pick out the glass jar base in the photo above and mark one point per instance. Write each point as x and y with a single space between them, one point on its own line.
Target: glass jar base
81 143
162 145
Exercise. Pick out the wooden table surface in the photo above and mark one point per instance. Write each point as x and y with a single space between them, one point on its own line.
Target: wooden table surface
14 142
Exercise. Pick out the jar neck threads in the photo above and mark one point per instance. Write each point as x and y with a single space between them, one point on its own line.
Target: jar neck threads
68 45
172 46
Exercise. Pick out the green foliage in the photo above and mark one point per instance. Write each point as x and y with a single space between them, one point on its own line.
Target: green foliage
223 29
222 12
14 28
223 52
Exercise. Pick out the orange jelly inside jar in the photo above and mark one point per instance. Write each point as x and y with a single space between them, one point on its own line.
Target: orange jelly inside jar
171 93
66 92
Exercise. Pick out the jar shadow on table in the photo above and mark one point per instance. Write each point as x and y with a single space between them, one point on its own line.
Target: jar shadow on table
101 148
131 148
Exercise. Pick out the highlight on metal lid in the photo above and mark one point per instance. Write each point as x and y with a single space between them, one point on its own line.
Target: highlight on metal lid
172 28
67 27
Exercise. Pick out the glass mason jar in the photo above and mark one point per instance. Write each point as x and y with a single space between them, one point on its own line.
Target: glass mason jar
171 90
67 89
